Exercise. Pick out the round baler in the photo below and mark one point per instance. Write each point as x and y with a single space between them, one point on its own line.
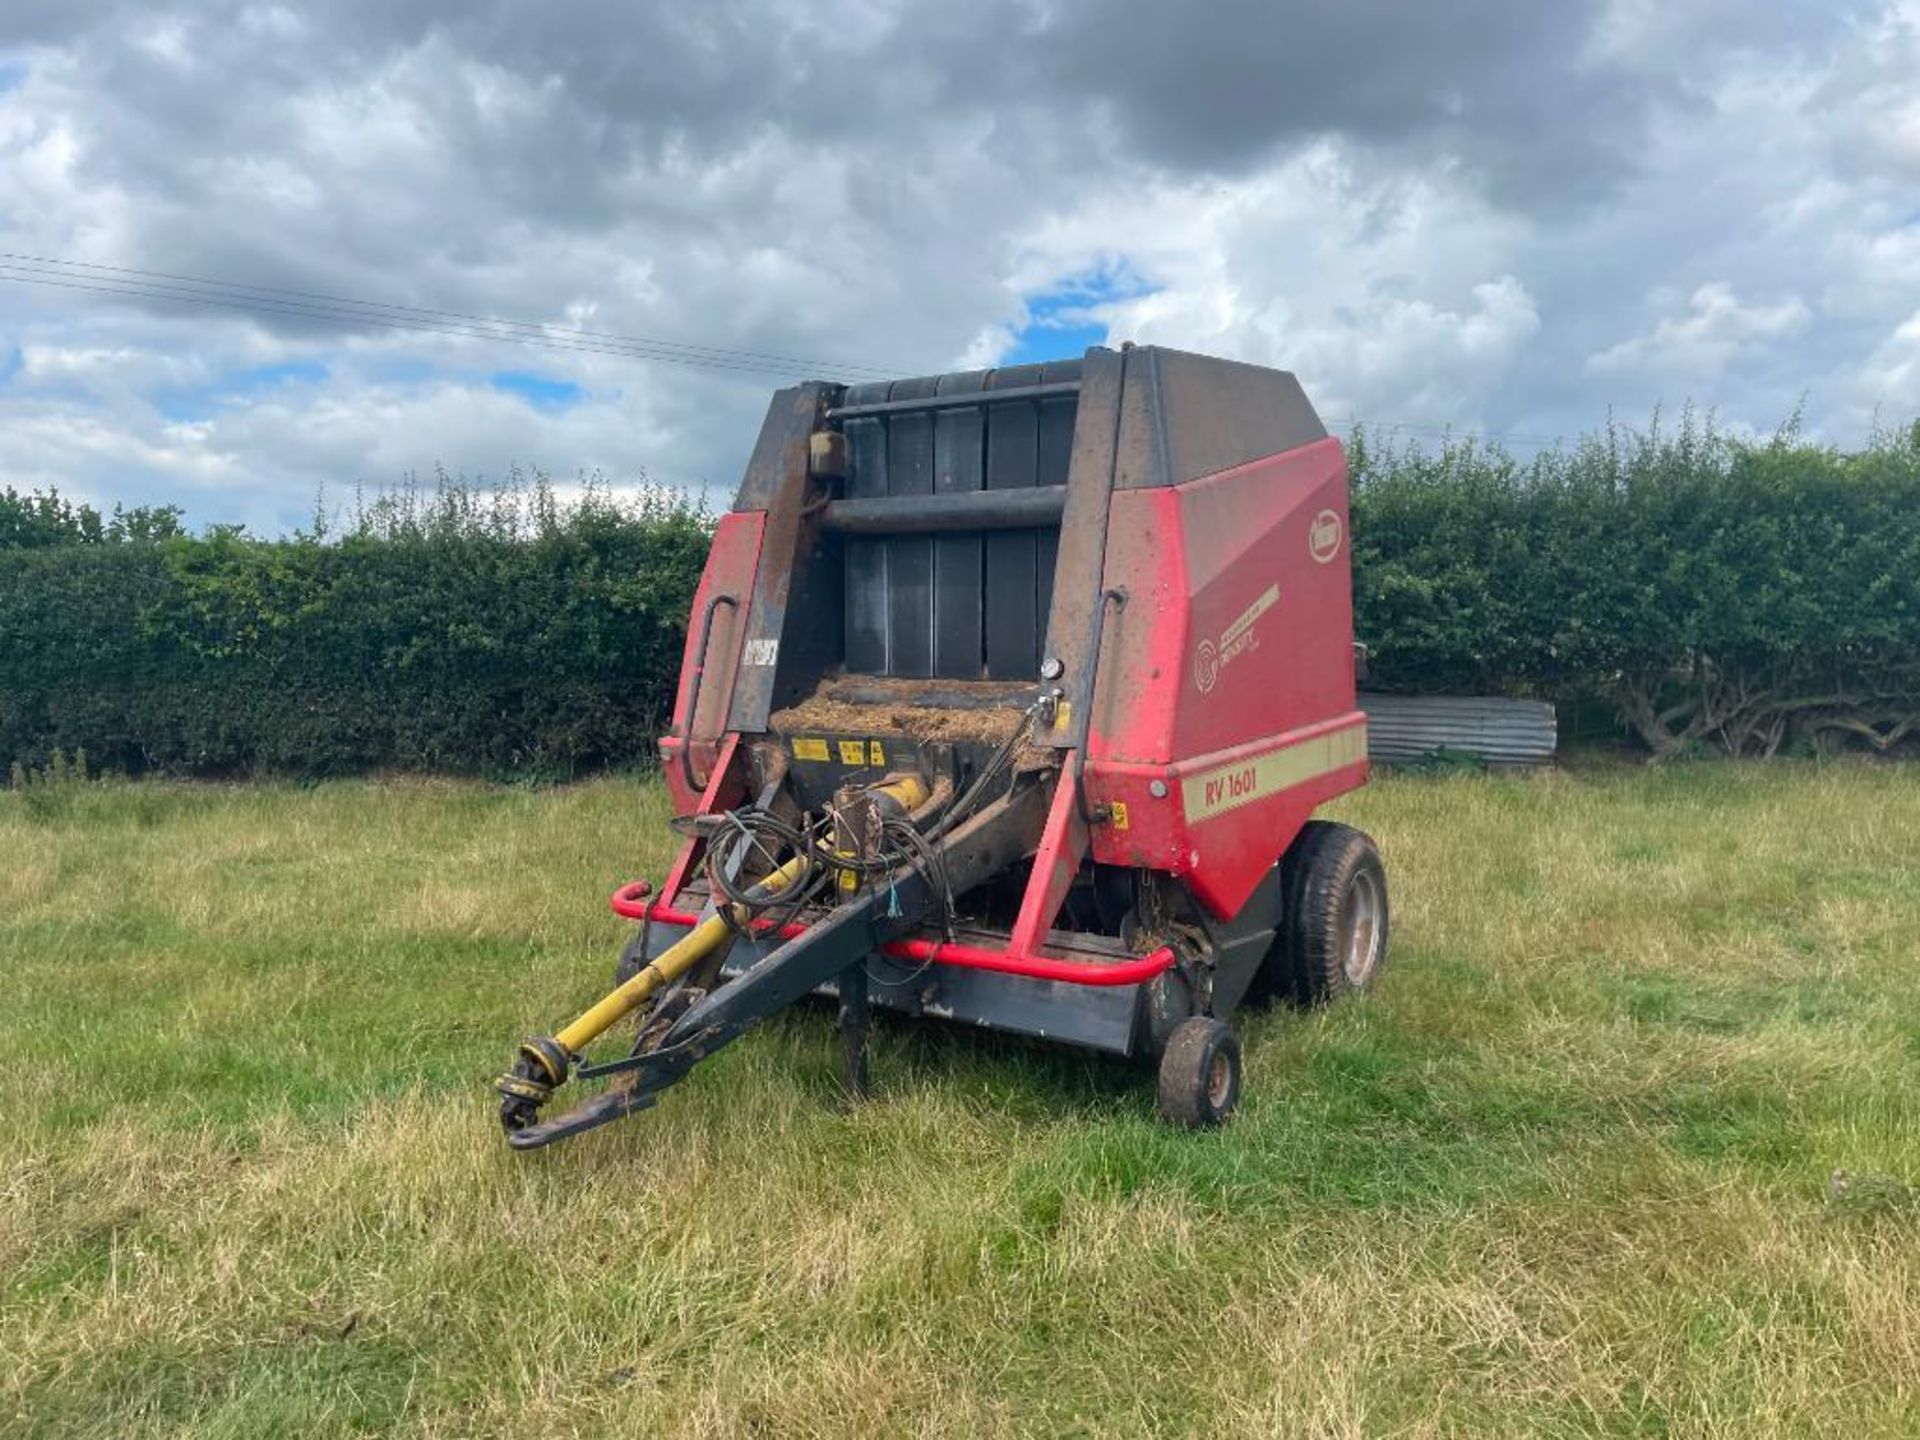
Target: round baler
1008 699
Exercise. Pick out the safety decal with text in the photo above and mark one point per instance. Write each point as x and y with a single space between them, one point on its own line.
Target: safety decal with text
1228 787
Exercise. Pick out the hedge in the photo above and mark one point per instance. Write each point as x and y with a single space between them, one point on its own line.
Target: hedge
1706 591
457 632
1712 592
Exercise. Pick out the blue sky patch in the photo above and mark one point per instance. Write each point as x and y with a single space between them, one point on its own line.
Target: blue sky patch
11 359
198 402
1063 321
11 76
542 392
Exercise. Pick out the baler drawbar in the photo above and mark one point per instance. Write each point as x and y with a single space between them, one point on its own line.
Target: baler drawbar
1007 701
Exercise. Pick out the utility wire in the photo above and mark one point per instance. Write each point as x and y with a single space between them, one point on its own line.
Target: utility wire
313 313
170 286
197 290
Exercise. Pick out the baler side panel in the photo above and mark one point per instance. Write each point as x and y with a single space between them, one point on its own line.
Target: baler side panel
1186 416
782 661
1077 608
1270 632
1228 676
732 562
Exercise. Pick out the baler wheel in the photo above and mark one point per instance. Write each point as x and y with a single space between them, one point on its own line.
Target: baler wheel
1200 1073
1333 935
633 959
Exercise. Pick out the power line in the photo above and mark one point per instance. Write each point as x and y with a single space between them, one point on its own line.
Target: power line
169 286
275 300
319 313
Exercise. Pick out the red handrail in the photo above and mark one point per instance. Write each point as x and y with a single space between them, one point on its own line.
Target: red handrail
630 901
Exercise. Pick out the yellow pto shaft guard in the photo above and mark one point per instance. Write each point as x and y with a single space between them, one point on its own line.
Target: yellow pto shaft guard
544 1062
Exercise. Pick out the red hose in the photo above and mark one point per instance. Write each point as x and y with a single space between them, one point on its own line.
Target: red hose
630 902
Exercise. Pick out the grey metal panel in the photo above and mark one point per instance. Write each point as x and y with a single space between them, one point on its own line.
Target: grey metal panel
945 401
1095 1017
1077 611
1056 456
1013 556
910 557
1500 731
959 461
866 559
959 606
951 514
794 582
1184 416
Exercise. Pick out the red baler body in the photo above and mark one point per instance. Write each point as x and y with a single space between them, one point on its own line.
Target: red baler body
1198 619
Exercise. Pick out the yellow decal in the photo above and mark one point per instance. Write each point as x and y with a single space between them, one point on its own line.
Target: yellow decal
1063 715
1268 599
1119 813
1228 787
853 752
849 880
809 749
875 755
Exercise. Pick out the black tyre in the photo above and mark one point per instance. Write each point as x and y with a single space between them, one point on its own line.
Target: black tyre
1333 934
1200 1073
633 959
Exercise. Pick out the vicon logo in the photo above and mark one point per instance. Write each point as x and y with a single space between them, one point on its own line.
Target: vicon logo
1323 536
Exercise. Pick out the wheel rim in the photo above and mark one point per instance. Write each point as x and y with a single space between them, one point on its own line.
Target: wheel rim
1219 1080
1363 928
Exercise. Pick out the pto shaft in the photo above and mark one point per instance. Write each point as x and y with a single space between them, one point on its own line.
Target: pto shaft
544 1062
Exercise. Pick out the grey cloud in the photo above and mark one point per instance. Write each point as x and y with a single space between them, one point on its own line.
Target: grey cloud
1437 212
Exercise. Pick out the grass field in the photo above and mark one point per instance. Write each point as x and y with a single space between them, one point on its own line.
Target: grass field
1567 1172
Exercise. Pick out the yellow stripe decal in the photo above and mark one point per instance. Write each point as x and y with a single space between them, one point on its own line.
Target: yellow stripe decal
1228 787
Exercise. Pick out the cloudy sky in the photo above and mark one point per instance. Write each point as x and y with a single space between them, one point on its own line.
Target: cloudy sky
1495 215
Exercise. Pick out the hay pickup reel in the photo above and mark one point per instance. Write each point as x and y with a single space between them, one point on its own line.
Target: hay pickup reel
1007 701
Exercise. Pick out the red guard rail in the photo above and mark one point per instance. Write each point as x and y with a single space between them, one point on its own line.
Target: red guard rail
631 902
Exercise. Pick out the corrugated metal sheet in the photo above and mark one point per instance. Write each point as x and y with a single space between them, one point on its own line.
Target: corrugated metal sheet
1501 732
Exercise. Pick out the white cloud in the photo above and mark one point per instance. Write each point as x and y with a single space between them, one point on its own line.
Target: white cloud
1387 294
1516 217
1887 389
1699 345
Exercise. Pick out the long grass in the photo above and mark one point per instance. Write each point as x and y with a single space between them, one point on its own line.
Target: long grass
1569 1171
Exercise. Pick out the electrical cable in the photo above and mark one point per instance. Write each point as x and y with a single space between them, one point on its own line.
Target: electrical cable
132 282
581 342
57 265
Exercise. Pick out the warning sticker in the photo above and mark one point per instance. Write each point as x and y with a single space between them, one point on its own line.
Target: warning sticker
810 749
875 755
853 752
1228 787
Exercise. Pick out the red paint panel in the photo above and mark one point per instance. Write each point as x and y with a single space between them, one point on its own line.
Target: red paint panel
1221 856
1236 639
731 562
